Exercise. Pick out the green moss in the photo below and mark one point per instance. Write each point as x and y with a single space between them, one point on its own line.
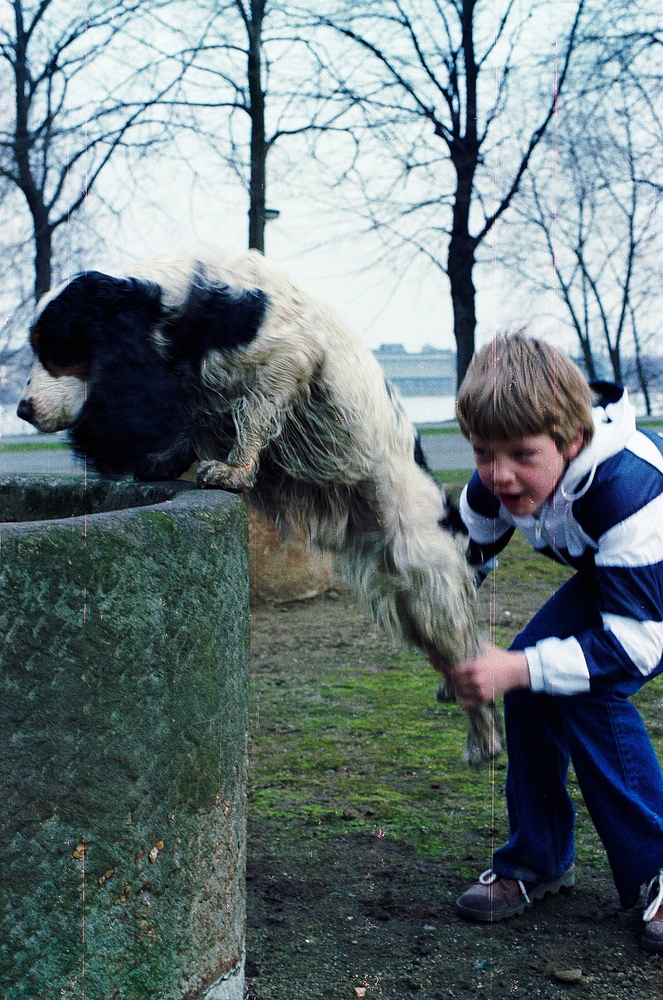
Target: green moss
157 520
350 748
365 751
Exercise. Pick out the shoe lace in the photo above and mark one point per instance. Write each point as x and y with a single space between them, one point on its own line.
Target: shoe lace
652 909
489 876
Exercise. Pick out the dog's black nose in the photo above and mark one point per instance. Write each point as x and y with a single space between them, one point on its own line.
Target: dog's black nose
26 411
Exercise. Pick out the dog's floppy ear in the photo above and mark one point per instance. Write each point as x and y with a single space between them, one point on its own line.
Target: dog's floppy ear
214 317
73 323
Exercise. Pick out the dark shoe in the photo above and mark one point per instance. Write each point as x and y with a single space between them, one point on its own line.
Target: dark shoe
652 918
496 898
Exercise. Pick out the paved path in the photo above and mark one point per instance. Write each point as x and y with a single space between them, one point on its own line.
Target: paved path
25 463
47 461
447 451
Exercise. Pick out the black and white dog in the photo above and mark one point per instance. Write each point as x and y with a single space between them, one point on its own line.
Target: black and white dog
227 363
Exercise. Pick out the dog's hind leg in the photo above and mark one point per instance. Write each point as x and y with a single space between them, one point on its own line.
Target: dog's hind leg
414 577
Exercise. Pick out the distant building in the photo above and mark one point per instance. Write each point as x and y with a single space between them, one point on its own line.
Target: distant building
430 372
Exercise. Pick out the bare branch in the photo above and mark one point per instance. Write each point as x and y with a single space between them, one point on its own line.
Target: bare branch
537 134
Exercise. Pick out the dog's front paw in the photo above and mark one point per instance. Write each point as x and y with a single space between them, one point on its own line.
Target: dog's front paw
219 475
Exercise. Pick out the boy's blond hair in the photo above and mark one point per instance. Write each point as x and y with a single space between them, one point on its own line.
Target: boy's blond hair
516 386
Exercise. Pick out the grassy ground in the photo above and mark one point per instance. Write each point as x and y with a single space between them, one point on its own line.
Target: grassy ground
366 745
365 824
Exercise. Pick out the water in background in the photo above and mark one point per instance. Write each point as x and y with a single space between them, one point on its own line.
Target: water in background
435 409
420 410
429 409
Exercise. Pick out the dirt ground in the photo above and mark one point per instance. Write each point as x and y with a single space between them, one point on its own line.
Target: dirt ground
363 915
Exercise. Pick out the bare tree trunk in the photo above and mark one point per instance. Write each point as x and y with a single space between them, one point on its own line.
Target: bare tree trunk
642 379
460 266
431 74
258 178
588 358
464 150
43 236
22 144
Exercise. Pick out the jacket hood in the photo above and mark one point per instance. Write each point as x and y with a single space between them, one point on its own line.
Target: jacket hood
614 423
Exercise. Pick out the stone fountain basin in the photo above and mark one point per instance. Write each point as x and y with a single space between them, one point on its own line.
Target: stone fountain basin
123 739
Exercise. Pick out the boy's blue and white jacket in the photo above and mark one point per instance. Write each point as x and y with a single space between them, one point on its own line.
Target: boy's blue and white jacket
605 518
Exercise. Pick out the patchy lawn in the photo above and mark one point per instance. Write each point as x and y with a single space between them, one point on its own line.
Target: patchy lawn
365 825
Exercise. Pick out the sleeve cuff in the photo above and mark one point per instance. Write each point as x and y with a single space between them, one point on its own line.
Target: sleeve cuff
535 670
557 667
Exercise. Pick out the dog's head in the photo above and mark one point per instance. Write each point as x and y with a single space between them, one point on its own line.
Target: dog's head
98 374
54 395
118 368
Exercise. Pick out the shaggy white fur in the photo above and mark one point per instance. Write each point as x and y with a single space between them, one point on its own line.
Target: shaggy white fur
322 444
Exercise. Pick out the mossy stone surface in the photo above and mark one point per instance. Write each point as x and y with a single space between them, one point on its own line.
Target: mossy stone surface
123 741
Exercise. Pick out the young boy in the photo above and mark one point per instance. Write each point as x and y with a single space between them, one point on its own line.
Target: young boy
586 488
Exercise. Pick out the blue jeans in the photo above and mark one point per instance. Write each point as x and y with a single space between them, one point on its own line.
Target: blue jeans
617 769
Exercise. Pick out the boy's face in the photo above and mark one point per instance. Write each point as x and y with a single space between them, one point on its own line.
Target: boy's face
524 472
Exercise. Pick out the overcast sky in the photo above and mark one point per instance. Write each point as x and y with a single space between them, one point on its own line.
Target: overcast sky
382 305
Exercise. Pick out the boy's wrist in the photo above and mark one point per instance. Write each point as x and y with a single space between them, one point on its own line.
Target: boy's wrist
519 671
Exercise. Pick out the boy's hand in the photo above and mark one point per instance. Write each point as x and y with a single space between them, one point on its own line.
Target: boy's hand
483 679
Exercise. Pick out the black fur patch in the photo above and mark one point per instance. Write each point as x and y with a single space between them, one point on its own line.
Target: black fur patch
134 420
419 456
214 317
137 418
70 328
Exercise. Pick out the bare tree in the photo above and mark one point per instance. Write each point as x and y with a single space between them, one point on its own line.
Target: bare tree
449 93
246 89
83 86
598 223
